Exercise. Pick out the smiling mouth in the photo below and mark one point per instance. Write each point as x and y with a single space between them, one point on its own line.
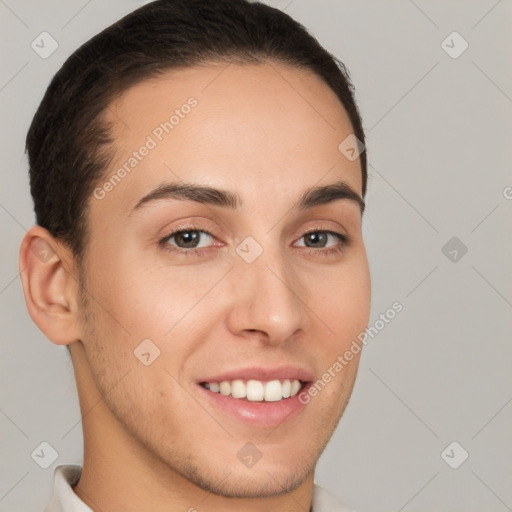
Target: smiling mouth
253 390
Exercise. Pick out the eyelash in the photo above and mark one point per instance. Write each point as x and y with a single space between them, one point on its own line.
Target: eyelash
338 249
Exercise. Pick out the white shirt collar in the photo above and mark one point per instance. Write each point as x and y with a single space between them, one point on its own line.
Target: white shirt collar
64 498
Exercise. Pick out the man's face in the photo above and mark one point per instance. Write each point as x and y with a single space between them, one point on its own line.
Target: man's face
242 294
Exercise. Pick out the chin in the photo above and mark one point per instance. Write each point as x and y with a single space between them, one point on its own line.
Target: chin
248 483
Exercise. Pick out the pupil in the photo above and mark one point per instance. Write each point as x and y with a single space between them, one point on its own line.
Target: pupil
317 237
187 238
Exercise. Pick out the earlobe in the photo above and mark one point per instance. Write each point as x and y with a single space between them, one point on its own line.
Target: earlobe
49 285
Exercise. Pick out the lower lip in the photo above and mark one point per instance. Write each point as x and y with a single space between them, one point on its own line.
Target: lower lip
262 414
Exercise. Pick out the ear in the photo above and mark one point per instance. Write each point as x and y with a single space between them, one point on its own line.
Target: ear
50 285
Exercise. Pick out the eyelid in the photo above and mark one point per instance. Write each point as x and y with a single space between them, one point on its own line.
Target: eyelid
344 241
180 229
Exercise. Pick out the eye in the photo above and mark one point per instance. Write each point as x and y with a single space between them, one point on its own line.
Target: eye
187 240
320 240
193 241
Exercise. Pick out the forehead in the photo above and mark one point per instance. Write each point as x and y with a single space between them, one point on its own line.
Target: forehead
260 129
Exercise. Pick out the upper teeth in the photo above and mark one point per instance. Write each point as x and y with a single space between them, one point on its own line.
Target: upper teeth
256 390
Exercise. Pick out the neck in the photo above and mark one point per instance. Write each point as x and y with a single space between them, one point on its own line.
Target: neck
120 473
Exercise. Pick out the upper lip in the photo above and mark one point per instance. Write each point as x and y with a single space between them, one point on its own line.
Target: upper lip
261 373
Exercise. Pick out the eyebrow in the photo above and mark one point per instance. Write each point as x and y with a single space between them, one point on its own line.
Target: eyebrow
314 196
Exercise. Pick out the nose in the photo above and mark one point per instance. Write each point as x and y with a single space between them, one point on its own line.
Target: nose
267 301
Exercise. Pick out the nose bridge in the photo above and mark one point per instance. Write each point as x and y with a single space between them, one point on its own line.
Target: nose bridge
267 296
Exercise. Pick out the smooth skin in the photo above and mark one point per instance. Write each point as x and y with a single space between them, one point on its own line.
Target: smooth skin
266 132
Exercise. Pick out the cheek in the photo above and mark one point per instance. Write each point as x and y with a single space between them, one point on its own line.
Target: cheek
136 297
141 297
341 298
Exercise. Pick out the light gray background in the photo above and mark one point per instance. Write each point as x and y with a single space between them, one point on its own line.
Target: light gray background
439 144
